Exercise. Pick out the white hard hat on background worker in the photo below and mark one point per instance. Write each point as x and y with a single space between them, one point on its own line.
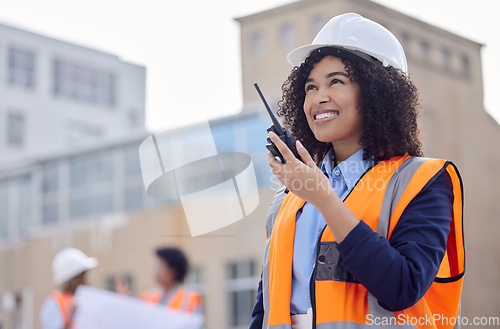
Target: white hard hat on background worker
69 268
347 34
69 263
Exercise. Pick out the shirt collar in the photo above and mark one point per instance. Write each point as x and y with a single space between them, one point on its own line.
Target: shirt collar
351 169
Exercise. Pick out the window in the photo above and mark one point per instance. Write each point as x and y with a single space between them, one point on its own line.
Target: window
25 205
15 129
133 119
241 286
50 188
134 192
79 133
83 84
446 59
287 35
405 42
425 51
224 136
4 209
465 65
257 43
91 185
194 281
317 23
21 68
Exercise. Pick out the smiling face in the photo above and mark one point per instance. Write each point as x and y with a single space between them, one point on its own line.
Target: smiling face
330 105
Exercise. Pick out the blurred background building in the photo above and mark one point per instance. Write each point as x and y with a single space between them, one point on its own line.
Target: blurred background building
56 95
73 119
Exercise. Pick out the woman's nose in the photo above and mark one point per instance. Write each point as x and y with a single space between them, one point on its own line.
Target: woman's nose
321 97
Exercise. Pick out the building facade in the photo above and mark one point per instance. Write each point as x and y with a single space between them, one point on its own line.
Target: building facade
93 197
57 95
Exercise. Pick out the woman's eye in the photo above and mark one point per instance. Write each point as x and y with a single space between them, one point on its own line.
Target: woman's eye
310 87
337 81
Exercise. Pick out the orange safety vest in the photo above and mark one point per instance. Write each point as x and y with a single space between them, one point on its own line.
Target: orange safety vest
182 299
66 304
379 198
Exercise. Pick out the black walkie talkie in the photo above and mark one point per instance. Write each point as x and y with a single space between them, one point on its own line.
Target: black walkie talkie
282 133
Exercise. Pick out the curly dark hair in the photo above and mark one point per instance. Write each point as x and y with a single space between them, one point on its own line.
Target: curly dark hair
388 102
175 259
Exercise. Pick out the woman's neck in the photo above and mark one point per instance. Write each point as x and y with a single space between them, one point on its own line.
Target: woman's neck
344 151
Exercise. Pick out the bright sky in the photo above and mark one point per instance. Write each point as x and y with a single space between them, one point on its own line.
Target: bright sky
191 48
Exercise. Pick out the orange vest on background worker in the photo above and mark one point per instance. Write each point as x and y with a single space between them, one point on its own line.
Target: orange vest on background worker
394 183
180 299
66 304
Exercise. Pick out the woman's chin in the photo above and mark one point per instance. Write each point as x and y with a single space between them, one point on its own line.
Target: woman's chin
322 138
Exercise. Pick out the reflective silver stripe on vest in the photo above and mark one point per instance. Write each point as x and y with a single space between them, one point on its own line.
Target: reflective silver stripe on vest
280 326
272 213
395 189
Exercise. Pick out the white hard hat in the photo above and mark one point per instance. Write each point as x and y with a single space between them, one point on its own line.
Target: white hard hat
69 263
352 34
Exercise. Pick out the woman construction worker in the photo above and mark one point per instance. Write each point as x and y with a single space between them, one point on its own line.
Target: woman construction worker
171 270
69 268
370 233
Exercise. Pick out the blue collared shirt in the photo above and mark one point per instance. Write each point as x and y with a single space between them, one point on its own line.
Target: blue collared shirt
309 225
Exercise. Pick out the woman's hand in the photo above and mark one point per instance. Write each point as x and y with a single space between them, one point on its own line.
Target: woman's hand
304 179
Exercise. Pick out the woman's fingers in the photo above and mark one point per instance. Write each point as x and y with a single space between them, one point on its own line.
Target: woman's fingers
304 155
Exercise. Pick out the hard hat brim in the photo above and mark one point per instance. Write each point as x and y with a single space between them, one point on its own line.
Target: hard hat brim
298 56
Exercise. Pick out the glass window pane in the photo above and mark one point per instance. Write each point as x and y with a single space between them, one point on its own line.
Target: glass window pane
4 208
50 179
21 67
131 161
25 205
224 136
50 213
15 128
257 43
287 35
102 203
256 135
134 197
79 207
83 84
241 296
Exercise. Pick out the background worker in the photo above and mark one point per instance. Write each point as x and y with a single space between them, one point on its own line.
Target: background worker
69 269
171 270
